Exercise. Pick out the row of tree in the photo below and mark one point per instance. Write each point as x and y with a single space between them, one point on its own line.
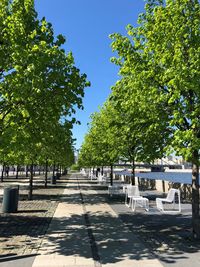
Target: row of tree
40 88
154 108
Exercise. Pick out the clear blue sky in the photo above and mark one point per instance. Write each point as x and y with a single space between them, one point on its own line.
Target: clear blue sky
86 24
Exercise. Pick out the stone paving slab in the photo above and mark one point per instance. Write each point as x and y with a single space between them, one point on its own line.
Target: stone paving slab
21 232
116 244
84 228
90 229
61 261
18 262
135 263
66 242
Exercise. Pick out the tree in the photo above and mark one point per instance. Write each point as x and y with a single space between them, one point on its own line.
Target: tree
100 146
140 120
40 86
168 40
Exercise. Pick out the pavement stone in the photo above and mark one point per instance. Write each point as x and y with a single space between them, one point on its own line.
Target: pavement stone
21 232
86 231
91 229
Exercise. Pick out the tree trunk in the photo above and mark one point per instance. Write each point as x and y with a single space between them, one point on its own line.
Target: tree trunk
111 174
133 172
2 172
46 173
17 172
54 166
163 186
30 194
101 170
26 170
195 196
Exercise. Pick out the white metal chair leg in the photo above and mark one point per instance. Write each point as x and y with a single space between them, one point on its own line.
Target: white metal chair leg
126 199
133 204
130 202
147 205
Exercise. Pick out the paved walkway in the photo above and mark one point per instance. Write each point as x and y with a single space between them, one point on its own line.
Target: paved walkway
90 229
85 231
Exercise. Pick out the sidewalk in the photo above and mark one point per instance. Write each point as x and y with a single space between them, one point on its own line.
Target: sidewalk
90 229
85 231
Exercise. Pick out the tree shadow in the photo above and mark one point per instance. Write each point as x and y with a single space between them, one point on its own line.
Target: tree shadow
100 237
168 236
101 234
18 225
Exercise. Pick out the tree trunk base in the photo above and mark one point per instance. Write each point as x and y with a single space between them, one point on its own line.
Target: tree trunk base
196 229
30 195
133 180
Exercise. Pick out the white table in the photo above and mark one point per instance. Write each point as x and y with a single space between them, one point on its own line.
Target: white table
140 201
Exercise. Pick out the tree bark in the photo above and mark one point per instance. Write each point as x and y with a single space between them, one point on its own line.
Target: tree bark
54 166
26 170
30 194
2 172
101 170
46 173
111 174
34 169
195 196
133 172
17 172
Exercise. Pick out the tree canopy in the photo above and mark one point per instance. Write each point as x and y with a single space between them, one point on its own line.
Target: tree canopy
157 96
40 87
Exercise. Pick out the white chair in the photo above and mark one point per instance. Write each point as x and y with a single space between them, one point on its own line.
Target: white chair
133 194
129 191
92 176
169 199
83 172
101 179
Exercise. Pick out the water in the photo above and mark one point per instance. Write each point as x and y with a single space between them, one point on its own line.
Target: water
175 177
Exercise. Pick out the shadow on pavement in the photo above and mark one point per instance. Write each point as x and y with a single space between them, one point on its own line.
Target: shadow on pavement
131 235
12 257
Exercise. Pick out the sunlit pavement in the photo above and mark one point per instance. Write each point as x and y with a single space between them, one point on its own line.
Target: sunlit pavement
89 228
85 231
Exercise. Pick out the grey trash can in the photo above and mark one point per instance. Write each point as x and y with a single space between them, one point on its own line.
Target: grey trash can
53 179
10 199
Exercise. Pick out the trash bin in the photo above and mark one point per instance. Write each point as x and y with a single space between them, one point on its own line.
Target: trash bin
53 179
10 199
